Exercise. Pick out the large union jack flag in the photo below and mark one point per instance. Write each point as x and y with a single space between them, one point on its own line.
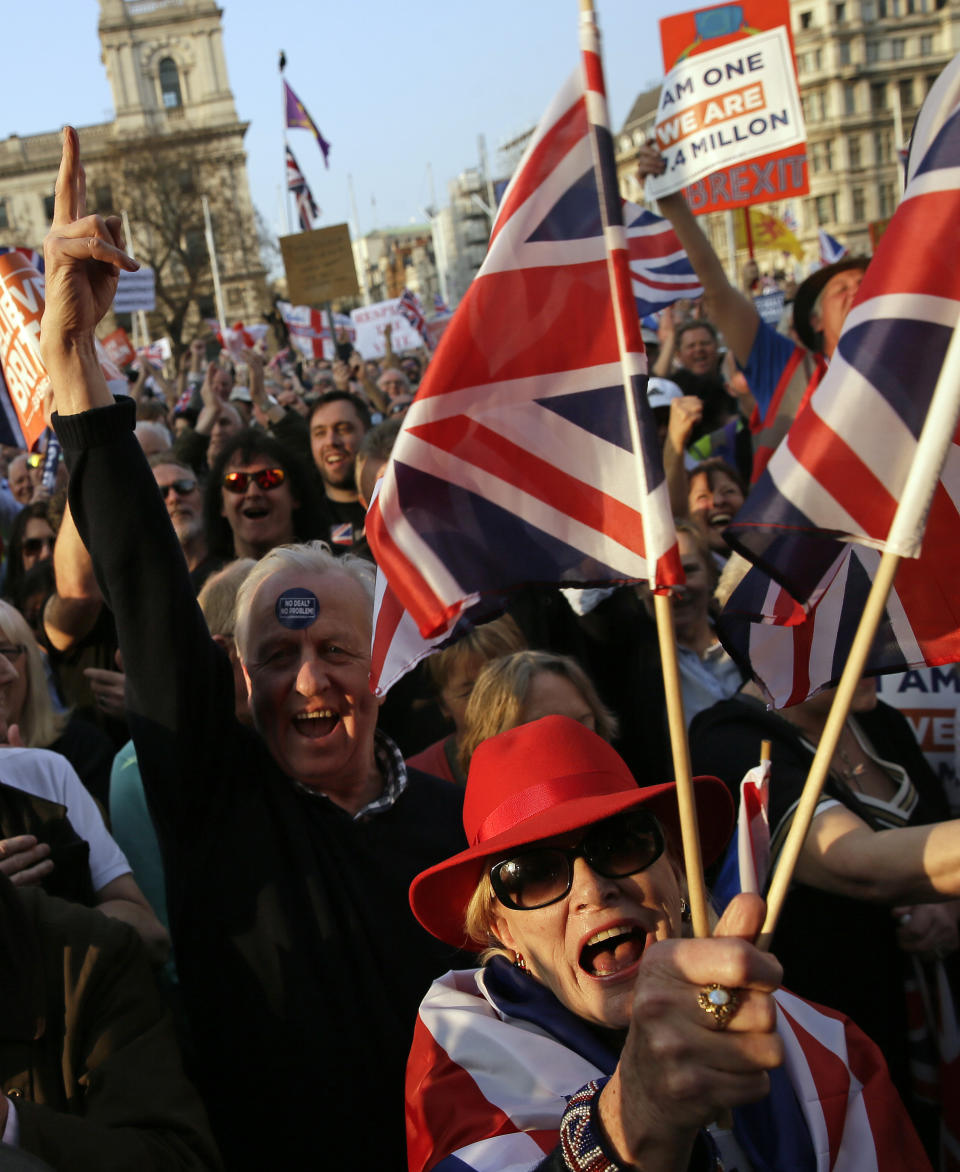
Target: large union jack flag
488 1081
660 269
841 470
515 464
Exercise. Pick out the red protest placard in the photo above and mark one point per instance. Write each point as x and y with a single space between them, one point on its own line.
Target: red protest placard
119 347
21 308
777 175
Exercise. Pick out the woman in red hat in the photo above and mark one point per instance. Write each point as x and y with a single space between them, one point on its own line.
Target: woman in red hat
595 1036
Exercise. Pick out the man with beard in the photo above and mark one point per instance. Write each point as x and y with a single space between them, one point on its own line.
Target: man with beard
184 500
338 422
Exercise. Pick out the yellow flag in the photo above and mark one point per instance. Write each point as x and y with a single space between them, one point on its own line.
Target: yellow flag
768 232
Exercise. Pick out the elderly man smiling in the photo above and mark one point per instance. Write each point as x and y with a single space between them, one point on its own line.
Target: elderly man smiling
289 850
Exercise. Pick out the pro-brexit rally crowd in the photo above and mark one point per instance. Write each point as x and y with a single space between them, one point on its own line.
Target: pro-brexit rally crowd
256 916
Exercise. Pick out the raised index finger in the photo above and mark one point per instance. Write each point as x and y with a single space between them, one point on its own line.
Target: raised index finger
66 191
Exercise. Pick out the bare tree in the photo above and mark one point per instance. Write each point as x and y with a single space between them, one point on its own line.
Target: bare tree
161 184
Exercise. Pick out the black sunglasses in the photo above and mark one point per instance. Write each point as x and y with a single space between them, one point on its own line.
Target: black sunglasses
620 846
33 545
266 478
180 487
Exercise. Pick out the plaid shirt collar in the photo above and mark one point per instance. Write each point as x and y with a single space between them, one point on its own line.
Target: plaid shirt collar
393 770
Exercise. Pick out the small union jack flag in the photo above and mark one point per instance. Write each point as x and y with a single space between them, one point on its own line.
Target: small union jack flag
660 269
307 209
409 307
831 250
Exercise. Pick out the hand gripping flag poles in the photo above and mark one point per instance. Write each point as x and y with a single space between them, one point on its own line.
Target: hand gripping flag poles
874 456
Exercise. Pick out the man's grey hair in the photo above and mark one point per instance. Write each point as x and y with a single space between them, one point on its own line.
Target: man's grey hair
312 557
157 430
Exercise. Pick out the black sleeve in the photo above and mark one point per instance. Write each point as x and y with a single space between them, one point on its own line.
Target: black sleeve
179 683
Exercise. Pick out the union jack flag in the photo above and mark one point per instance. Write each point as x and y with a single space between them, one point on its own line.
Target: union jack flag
840 472
307 209
439 305
297 116
831 250
515 464
661 271
488 1081
409 306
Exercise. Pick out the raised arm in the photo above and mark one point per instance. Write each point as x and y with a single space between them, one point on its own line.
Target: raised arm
733 314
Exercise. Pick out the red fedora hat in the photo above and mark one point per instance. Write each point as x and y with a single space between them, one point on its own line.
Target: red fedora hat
541 779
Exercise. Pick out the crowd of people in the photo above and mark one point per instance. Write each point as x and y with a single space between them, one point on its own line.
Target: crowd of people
245 899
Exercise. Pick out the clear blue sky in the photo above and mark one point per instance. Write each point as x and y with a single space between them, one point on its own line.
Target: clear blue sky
394 85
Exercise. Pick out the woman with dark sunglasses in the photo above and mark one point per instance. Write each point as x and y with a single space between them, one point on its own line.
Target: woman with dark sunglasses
259 495
594 1036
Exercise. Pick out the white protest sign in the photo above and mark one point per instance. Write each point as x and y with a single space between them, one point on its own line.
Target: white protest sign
135 291
370 320
929 697
725 106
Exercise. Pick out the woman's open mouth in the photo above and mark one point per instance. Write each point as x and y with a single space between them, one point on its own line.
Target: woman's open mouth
612 950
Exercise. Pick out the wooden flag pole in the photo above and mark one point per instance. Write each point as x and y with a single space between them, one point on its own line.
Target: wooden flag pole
634 368
806 807
904 539
689 831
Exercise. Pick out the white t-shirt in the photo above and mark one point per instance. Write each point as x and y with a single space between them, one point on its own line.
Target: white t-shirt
51 776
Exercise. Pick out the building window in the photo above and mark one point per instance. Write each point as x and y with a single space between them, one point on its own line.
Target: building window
878 96
850 98
48 204
906 93
882 146
185 182
806 20
822 103
887 199
853 150
926 44
859 205
828 154
805 108
843 53
818 59
868 10
194 244
170 84
4 217
826 206
839 13
897 48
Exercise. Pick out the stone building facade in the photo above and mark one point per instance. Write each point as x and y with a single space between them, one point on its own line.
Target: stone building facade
175 137
864 68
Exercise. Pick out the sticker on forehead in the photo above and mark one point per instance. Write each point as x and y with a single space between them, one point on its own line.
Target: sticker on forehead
297 608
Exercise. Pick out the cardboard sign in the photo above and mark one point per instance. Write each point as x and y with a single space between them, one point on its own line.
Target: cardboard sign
929 698
319 265
21 308
729 120
370 320
119 347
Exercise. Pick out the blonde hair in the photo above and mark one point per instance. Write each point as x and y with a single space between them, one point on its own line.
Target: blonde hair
40 723
489 641
498 696
218 596
480 918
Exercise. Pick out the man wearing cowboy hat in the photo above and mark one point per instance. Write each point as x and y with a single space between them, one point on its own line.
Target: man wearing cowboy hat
781 375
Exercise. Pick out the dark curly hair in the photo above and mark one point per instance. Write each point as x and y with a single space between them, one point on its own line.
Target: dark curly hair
249 444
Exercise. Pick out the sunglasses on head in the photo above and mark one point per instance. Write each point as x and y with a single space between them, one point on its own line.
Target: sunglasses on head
266 478
180 487
620 846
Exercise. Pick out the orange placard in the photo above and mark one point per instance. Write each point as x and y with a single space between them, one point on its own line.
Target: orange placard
775 176
21 308
119 347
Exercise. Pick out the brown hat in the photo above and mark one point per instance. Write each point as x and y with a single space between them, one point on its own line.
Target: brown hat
810 290
544 778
